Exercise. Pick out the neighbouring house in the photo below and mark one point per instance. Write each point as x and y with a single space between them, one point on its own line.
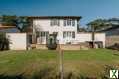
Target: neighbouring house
112 35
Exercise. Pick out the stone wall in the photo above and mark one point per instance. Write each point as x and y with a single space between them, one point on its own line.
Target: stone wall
111 40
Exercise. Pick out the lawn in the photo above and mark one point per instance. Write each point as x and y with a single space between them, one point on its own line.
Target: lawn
87 62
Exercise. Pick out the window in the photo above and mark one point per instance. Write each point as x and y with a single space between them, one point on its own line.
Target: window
73 34
64 34
43 33
68 34
69 22
65 22
54 22
73 22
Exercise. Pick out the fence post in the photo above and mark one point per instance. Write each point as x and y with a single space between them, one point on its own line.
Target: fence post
61 62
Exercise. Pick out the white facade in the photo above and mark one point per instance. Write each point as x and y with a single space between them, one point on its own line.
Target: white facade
44 25
66 33
18 41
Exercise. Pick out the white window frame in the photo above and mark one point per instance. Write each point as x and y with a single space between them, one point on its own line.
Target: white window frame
68 34
69 22
55 22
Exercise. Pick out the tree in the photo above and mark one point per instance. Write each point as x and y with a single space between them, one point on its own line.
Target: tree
21 23
95 25
7 20
4 42
82 29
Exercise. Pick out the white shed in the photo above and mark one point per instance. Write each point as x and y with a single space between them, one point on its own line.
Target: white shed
18 41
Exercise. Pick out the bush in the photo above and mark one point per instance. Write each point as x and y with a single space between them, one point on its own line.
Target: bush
51 41
106 71
4 42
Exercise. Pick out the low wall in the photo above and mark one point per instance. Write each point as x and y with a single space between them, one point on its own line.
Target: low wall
82 46
74 47
41 46
83 37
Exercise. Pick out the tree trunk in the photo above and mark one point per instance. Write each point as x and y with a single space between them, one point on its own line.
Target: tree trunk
93 39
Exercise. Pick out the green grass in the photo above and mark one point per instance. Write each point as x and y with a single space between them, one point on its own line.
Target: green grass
89 62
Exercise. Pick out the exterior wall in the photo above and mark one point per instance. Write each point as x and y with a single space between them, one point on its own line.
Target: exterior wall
111 40
100 37
44 25
112 36
18 41
84 37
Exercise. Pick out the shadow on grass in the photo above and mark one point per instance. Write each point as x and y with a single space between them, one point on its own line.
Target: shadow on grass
46 73
46 76
2 76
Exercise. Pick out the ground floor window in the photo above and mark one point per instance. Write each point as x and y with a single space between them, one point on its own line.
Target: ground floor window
42 34
68 34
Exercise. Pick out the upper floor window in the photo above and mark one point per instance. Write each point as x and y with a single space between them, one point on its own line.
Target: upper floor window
73 22
68 34
54 22
69 22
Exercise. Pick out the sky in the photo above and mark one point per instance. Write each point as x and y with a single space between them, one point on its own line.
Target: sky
88 9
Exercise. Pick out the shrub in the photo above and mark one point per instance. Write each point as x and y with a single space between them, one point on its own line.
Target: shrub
4 42
107 69
51 41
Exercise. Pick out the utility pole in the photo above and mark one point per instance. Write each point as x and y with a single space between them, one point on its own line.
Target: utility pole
60 62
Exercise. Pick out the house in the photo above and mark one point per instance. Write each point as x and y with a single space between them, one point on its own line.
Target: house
64 26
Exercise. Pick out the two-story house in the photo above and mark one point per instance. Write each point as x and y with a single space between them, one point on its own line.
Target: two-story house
64 26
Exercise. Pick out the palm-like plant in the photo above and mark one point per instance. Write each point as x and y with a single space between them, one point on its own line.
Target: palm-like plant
95 26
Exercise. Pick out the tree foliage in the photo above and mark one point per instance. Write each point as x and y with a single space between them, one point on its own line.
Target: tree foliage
97 24
101 24
4 42
7 20
21 23
82 29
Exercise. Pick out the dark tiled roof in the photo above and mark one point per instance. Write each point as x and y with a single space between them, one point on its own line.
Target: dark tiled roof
9 30
58 17
110 28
